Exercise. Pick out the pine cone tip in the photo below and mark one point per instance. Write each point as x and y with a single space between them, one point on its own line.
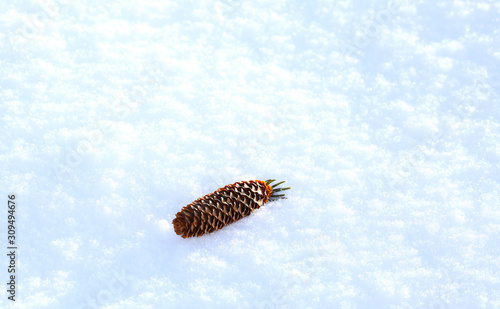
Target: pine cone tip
180 226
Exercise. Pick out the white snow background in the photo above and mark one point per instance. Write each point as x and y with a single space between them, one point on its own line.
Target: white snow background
382 116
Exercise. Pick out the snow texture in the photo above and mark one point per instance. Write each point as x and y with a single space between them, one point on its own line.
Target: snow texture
383 117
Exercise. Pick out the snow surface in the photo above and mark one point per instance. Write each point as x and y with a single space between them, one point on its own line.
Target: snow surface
383 117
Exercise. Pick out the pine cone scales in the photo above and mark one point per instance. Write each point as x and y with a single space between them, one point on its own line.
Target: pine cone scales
222 207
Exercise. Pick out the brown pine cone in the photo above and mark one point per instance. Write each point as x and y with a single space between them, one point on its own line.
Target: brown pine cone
224 206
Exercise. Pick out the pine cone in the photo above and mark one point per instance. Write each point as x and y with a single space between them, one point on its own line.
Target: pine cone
224 206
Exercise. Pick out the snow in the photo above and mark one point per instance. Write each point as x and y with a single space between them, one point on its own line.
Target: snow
382 116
